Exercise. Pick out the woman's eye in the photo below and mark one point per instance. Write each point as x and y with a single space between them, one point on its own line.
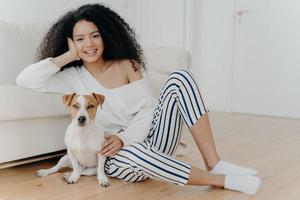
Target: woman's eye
95 36
79 39
90 106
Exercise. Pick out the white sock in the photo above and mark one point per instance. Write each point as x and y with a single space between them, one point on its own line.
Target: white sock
227 168
246 184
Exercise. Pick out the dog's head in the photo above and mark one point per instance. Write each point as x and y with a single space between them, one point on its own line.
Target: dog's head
83 108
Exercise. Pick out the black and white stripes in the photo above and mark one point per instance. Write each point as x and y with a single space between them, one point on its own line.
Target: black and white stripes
140 161
179 100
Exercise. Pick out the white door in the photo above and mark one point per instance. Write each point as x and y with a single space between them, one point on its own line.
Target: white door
266 61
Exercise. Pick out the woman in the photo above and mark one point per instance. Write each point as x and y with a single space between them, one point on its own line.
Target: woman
92 49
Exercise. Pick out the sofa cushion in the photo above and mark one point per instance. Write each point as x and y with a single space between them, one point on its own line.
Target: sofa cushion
18 103
161 61
166 59
19 43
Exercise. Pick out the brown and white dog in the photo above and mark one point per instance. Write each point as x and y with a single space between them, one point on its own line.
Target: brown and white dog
83 139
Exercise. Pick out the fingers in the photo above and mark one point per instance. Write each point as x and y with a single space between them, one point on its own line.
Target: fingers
111 146
108 137
106 143
71 43
109 150
72 49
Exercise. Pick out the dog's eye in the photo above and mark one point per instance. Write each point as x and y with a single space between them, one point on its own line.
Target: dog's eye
90 106
75 106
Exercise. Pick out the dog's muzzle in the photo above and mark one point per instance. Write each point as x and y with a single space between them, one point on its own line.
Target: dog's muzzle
81 120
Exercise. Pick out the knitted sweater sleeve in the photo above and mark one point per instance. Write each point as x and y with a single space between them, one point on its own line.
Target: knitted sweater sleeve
139 127
44 76
141 108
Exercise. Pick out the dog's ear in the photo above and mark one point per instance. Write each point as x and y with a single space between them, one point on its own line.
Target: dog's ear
67 99
99 98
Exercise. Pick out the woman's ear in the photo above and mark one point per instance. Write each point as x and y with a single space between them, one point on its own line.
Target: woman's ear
99 98
67 99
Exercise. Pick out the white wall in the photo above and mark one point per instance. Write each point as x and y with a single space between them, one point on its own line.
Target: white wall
36 10
50 11
162 22
210 42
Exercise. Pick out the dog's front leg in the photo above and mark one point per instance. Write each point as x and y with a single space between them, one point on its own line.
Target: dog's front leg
101 176
75 175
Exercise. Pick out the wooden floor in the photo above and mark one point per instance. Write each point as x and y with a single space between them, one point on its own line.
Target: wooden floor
270 145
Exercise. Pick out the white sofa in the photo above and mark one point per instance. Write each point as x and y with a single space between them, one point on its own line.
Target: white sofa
33 123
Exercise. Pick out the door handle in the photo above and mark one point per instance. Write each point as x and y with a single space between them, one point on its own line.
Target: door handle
242 12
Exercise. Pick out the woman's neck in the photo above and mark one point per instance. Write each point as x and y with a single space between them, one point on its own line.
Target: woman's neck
96 67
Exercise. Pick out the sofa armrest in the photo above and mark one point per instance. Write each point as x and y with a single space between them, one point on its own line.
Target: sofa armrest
19 104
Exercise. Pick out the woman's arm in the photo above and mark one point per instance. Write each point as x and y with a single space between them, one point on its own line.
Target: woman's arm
139 127
45 76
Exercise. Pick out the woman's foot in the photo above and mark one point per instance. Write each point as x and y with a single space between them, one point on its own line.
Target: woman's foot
227 168
246 184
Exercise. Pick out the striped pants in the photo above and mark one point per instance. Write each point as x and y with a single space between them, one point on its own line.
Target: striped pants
179 100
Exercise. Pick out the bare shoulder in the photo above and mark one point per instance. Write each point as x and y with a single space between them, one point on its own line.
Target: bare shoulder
133 73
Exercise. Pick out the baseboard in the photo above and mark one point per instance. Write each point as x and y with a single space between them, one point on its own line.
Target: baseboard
32 159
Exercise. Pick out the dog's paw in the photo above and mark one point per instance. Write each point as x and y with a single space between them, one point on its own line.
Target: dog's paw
42 172
70 178
103 181
66 176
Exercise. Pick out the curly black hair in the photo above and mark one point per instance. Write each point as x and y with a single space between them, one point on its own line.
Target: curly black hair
118 37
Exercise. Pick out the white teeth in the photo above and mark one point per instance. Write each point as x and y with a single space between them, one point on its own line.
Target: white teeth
90 51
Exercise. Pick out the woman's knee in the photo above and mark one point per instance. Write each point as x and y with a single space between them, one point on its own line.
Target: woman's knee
180 76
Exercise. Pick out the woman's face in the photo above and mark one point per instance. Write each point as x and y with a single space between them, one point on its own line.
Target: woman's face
88 41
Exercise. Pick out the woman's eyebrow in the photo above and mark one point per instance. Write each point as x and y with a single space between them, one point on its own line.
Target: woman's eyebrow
80 35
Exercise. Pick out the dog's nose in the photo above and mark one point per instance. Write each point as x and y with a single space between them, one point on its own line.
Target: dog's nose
81 119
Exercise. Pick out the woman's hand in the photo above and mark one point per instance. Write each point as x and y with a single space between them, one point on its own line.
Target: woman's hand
111 146
72 50
68 56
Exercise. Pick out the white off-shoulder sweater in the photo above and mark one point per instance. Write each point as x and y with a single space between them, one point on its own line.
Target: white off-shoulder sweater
129 108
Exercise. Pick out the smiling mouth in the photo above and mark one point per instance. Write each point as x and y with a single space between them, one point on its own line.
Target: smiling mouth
91 52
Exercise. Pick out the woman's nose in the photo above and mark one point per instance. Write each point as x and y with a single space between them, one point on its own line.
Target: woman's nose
90 42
